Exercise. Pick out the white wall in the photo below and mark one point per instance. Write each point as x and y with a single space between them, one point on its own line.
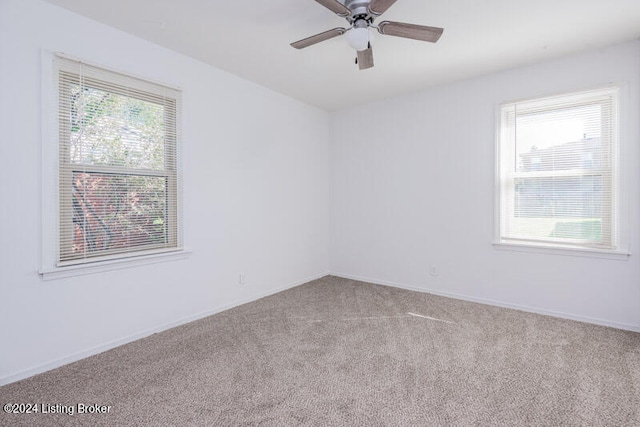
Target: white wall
256 197
413 186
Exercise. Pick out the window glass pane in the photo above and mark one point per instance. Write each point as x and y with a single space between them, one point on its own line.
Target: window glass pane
115 130
559 208
562 139
114 212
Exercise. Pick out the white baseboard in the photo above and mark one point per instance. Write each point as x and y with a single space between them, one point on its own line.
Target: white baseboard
125 340
537 310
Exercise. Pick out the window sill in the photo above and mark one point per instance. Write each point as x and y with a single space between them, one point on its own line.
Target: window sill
110 265
567 251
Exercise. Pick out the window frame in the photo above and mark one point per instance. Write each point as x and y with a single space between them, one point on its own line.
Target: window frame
53 170
617 223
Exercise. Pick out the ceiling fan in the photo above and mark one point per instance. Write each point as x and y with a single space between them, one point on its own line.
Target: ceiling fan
360 14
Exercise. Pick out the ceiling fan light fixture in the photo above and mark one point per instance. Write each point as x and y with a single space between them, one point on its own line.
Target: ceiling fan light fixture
360 14
359 38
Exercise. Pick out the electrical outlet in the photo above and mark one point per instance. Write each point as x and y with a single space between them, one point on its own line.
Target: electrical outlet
433 271
241 279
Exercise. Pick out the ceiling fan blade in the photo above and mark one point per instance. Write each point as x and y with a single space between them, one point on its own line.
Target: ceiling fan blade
336 7
365 58
410 31
301 44
378 7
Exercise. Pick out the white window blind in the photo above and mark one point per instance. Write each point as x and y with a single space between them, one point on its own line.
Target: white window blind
118 165
558 171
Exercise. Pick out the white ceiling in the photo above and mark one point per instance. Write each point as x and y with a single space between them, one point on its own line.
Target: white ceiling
251 40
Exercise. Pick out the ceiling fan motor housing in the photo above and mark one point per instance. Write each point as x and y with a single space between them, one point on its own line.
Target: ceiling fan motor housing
359 11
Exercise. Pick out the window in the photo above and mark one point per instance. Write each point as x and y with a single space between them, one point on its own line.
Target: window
558 171
118 165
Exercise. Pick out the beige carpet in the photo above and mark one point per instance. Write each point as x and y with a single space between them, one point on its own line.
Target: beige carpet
340 352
